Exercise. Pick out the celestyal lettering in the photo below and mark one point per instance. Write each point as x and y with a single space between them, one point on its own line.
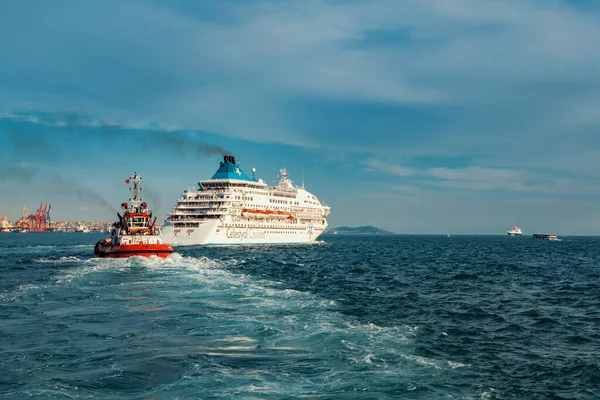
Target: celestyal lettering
233 233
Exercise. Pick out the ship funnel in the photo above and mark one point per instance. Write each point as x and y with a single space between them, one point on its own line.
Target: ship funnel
230 159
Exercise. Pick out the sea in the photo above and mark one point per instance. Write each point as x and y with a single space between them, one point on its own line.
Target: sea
348 317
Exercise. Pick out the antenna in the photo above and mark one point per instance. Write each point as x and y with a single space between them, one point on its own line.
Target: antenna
253 171
302 178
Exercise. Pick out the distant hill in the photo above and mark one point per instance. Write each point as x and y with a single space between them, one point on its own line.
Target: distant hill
360 230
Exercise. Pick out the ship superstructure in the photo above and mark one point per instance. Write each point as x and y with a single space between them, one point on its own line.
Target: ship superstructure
232 208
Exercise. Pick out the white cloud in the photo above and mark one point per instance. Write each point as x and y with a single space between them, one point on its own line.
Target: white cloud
510 68
484 179
398 170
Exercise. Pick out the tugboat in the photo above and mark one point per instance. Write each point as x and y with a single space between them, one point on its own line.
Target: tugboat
133 234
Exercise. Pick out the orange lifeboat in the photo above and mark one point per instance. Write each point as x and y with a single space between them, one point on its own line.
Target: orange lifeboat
252 213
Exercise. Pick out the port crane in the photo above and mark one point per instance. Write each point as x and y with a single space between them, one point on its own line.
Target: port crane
40 219
38 222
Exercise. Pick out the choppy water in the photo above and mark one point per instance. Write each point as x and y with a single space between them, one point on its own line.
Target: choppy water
412 317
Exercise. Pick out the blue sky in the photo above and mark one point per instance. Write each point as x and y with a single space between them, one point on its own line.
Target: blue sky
428 116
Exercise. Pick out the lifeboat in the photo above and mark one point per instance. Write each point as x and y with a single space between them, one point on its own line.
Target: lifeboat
133 234
251 213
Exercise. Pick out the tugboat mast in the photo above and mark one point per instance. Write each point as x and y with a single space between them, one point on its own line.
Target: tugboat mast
134 180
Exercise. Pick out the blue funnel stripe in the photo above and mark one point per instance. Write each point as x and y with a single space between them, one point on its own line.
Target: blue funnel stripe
228 170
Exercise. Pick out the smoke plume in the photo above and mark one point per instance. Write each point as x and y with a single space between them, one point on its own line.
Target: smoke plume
116 133
20 172
57 186
29 143
60 186
104 133
153 200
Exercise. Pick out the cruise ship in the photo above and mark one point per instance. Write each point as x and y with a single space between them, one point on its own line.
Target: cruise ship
231 208
515 231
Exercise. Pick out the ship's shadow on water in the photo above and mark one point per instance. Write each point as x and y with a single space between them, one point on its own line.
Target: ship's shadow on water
352 317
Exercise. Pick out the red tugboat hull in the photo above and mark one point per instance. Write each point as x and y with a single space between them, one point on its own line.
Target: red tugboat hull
129 250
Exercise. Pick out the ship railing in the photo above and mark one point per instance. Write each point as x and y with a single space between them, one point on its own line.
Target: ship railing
203 205
220 212
210 200
213 208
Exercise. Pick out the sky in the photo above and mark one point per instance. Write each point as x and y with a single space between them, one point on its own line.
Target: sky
416 116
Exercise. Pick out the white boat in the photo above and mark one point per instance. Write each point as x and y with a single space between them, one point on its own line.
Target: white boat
515 231
232 208
82 228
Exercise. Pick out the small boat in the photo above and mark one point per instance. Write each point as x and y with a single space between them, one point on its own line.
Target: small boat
545 236
515 231
133 234
83 229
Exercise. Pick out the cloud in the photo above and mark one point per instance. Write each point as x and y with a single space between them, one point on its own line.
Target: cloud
242 71
483 179
376 165
381 78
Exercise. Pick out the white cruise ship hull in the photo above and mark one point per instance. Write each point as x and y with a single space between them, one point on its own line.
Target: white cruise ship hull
218 233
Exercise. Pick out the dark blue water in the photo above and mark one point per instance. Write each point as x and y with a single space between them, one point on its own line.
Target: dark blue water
411 317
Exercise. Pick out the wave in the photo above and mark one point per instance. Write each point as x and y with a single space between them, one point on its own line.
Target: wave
60 260
252 334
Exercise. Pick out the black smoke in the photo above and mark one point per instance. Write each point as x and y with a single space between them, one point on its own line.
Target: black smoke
83 193
31 144
114 133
